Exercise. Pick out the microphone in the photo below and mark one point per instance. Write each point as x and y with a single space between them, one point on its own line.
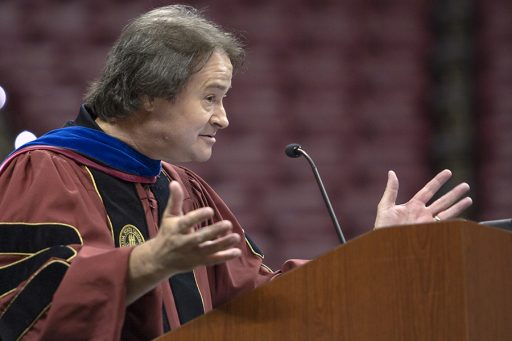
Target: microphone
294 150
505 224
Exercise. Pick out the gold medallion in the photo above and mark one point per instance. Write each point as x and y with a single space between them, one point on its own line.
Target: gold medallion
130 236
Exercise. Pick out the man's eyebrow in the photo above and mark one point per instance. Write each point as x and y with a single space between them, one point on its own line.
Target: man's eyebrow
219 86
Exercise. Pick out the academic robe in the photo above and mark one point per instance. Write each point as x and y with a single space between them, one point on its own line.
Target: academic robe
63 275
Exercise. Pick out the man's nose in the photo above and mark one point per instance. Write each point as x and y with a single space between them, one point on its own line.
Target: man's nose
220 118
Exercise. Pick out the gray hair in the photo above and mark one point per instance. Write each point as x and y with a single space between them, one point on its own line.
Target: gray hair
155 56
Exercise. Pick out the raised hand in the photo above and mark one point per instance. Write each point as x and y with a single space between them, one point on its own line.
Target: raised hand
178 247
181 248
418 209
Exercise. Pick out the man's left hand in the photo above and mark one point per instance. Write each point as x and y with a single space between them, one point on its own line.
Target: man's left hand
417 210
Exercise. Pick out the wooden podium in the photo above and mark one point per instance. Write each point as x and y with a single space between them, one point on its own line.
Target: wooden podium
442 281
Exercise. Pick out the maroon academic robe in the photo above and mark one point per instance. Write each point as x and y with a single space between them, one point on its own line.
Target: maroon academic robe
54 186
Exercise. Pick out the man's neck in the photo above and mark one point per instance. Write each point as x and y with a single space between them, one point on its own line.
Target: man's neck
124 130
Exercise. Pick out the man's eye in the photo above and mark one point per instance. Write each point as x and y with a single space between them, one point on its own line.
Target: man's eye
210 99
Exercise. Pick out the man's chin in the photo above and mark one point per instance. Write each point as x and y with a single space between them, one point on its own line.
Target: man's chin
191 157
202 157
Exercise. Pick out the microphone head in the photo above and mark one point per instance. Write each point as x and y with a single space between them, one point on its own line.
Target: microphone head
292 150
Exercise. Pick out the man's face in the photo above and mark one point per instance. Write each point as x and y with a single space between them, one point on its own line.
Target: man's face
184 129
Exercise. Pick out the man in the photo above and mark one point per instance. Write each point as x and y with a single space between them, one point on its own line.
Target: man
102 238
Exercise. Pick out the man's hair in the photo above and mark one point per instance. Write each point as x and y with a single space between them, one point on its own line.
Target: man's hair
155 56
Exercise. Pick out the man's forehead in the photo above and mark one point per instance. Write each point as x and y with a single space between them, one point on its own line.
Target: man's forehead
218 62
216 73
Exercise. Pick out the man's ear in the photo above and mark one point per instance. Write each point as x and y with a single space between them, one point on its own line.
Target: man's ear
148 103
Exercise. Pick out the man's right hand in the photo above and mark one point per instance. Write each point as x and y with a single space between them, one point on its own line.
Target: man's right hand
179 247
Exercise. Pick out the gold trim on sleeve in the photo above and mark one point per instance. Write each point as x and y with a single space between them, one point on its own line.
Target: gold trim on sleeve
32 255
252 250
36 225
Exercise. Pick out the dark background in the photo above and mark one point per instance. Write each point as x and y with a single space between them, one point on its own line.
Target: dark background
364 86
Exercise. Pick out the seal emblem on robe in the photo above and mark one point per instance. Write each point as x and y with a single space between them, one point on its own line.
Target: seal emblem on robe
130 235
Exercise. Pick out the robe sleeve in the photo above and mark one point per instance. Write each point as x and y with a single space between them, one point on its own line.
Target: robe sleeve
237 276
49 209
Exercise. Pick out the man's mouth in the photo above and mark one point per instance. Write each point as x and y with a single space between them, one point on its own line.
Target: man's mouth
209 138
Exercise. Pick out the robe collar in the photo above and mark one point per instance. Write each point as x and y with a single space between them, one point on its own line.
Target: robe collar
85 137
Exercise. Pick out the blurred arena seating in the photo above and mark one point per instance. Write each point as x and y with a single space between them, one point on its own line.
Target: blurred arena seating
346 79
495 109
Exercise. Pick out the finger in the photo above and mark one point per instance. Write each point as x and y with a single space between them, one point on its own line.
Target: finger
223 256
449 198
431 188
391 192
219 244
193 218
211 232
456 210
175 203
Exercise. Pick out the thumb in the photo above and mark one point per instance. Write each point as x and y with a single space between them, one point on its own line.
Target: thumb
175 203
391 192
